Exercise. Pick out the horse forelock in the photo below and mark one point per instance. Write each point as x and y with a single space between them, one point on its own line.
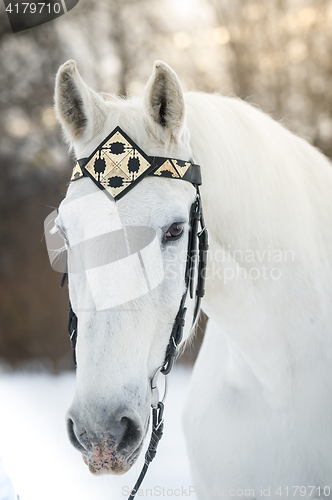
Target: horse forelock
130 115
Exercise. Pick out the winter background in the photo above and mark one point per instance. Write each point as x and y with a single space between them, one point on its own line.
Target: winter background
275 54
43 464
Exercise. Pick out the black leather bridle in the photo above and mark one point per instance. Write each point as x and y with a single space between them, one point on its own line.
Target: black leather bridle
197 250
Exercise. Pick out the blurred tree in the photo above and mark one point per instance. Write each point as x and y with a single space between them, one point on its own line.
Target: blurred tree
117 38
275 54
32 318
278 58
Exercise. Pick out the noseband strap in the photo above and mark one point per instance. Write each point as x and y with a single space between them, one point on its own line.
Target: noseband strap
116 166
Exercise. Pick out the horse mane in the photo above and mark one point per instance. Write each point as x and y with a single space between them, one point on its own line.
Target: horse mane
273 188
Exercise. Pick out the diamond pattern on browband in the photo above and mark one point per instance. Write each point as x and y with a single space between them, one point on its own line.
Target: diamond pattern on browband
118 164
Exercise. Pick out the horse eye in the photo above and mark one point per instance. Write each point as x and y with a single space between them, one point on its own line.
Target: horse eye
174 231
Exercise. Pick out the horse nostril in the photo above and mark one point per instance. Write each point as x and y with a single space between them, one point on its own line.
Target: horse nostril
72 436
131 433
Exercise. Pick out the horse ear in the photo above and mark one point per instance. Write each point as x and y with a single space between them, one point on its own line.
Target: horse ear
164 99
76 105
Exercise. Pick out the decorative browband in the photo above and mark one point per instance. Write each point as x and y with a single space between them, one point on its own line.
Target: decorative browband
118 164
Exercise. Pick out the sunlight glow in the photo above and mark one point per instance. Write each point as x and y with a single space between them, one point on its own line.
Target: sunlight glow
18 127
221 35
301 19
307 16
254 11
185 8
49 117
181 40
297 51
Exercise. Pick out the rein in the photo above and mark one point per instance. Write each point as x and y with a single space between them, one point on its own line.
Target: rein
163 167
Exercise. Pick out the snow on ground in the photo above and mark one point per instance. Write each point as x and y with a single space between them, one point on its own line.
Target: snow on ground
43 464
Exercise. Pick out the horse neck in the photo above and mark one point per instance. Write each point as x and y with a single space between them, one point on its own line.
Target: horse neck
267 205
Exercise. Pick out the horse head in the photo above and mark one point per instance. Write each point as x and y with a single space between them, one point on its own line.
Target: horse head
126 300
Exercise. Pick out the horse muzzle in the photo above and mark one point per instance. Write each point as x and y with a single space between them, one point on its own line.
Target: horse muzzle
105 459
110 447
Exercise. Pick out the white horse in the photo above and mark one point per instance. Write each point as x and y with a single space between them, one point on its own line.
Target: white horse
258 417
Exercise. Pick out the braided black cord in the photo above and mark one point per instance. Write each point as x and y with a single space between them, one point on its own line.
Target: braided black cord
156 435
72 330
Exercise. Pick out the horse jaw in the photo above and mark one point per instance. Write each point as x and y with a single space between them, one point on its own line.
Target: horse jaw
120 348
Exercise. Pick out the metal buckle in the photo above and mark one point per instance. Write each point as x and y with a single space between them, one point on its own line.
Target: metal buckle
155 391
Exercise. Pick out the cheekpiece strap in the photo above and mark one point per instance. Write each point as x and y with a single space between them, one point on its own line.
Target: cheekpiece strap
118 164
